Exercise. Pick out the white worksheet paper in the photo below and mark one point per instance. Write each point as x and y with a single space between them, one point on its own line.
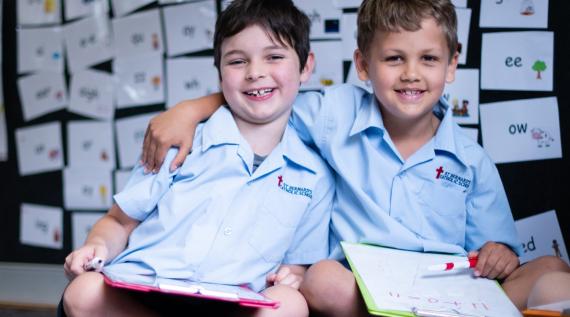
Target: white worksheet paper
189 27
463 22
42 93
92 94
81 8
130 135
81 224
39 148
348 35
541 235
138 34
190 77
514 14
41 226
40 49
399 280
328 65
90 144
87 188
88 42
122 7
517 61
140 80
325 18
463 96
521 130
38 12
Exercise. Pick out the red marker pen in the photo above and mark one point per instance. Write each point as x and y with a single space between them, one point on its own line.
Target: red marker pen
469 263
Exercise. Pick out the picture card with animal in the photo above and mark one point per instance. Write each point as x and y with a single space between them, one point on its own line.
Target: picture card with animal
41 226
39 148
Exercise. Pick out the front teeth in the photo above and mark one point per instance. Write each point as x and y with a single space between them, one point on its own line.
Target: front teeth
410 92
259 93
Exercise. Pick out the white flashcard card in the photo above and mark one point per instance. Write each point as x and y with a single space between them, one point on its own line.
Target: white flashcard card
472 133
39 148
81 224
540 235
352 78
225 3
139 80
172 1
463 96
189 27
514 14
138 33
41 226
3 127
325 19
121 179
87 188
517 61
348 35
328 65
191 77
40 49
92 94
343 4
42 93
38 12
130 135
463 22
90 144
81 8
459 3
88 42
122 7
521 130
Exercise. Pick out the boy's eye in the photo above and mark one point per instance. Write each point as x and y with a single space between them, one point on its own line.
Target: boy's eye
275 57
236 62
394 59
430 58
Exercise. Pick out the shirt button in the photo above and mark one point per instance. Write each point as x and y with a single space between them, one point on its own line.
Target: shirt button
228 231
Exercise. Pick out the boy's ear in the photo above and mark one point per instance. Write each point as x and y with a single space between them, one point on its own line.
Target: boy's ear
308 68
451 68
361 65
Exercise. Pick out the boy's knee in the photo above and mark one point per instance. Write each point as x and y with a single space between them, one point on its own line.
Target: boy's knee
81 295
550 264
292 301
328 283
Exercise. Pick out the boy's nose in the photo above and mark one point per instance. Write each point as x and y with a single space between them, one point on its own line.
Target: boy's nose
410 73
255 71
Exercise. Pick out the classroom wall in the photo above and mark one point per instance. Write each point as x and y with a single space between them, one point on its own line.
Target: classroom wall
532 186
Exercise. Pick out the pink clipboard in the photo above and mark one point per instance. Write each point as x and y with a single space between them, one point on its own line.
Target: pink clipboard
228 293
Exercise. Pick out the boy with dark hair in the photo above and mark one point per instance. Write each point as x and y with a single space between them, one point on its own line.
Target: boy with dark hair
406 175
250 205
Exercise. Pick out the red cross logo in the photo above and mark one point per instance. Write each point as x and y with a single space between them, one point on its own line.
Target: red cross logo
439 171
280 180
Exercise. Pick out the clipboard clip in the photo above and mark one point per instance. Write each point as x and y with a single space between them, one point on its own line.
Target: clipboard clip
420 312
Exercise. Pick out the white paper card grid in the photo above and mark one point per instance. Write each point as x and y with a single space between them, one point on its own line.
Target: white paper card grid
521 130
130 135
459 3
39 148
40 49
41 226
39 12
517 61
472 133
463 22
140 80
189 27
121 179
42 93
80 8
341 4
81 224
88 42
325 19
328 65
348 35
87 188
190 77
122 7
138 33
541 235
514 13
463 96
173 1
90 144
92 94
3 128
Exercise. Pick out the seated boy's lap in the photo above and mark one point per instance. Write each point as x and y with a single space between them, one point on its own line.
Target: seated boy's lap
169 305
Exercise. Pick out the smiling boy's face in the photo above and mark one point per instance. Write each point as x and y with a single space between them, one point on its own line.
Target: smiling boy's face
408 71
260 77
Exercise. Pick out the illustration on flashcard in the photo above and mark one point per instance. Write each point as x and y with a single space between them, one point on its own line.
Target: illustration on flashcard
460 111
539 66
527 7
542 137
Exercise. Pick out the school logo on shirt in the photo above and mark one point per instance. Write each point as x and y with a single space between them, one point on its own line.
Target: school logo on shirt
294 190
452 178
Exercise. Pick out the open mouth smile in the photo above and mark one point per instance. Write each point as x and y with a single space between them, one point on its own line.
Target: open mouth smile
259 92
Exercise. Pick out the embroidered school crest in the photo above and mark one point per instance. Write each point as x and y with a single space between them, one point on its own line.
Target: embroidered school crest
293 190
451 178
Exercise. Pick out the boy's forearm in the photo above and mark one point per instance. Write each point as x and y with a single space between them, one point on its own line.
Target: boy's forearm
202 108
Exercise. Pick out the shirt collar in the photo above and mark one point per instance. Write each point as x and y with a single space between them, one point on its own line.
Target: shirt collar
446 137
367 116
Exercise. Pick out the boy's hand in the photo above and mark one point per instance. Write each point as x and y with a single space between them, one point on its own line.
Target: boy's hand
495 261
291 275
76 262
171 128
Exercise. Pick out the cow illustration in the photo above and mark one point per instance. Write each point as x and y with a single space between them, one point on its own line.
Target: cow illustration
542 137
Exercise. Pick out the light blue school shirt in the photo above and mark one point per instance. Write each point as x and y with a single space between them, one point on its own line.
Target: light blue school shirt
213 220
446 197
